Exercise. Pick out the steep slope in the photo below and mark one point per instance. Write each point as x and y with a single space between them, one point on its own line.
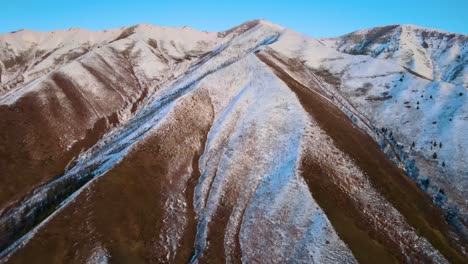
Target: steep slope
434 54
254 150
64 106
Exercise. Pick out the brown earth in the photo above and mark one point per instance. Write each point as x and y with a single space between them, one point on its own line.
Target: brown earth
33 149
31 152
123 210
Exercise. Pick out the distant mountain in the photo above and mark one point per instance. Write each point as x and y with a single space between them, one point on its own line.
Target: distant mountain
149 144
434 54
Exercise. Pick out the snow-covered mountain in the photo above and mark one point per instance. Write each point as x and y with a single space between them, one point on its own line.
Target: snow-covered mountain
434 54
257 144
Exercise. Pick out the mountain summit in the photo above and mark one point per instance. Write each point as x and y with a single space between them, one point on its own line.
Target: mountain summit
256 144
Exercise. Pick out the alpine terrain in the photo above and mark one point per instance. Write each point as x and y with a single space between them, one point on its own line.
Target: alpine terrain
149 144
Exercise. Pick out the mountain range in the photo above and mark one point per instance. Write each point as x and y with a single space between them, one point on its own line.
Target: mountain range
149 144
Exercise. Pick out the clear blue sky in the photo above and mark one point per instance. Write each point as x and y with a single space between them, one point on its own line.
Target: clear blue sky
315 18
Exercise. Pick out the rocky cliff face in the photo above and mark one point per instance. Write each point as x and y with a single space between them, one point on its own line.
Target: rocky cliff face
434 54
256 144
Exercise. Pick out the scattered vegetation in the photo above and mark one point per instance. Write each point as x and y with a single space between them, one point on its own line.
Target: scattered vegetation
364 89
424 183
35 213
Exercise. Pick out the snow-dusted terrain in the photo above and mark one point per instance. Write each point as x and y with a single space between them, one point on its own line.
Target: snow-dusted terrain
256 144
